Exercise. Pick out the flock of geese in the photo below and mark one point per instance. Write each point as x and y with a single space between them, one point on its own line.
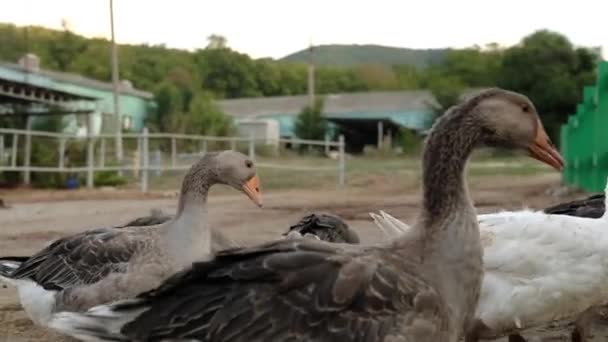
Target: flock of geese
449 275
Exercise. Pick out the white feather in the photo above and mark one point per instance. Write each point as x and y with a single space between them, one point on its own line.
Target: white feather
37 302
102 319
538 267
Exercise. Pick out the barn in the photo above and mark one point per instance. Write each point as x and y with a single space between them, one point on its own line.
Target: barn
28 92
365 118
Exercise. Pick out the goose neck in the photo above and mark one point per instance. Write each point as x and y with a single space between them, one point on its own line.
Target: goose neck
446 154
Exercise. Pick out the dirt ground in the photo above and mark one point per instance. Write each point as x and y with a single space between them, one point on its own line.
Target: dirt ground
37 217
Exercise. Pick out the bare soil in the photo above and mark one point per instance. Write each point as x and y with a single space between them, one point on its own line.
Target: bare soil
35 217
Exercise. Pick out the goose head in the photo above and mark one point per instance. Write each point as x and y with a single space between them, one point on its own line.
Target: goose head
226 167
510 120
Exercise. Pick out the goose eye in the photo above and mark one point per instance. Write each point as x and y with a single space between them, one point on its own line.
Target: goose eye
249 164
525 108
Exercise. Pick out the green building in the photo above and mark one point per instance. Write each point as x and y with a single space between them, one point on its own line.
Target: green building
26 90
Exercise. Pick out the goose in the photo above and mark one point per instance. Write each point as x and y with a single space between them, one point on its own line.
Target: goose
323 226
421 286
540 266
101 265
592 206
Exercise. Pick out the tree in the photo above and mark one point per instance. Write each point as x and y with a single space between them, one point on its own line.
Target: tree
227 73
381 77
310 123
447 91
547 68
207 117
66 48
216 41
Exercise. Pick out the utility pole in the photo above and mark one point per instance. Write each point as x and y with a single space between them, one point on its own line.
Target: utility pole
311 76
117 115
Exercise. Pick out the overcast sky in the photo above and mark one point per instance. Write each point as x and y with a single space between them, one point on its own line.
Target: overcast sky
275 28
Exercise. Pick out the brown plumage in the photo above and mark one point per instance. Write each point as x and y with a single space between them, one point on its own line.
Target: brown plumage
106 264
422 287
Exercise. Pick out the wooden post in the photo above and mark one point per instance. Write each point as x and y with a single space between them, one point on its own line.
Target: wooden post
14 150
28 151
61 152
204 147
252 145
138 158
341 166
173 152
233 144
326 145
145 161
1 149
380 134
90 153
102 152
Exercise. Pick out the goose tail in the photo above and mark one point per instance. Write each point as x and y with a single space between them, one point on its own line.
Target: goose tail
7 266
103 323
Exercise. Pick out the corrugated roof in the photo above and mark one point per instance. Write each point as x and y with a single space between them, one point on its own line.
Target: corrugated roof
77 79
389 101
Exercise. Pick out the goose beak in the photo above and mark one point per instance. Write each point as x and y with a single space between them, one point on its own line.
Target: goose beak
542 149
252 190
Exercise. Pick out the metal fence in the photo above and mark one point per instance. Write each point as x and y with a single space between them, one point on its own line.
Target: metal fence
584 138
138 159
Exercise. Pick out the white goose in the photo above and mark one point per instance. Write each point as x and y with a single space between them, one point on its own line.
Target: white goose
102 265
538 268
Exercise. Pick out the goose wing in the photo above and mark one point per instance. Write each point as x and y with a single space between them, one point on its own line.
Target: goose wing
83 258
592 207
287 290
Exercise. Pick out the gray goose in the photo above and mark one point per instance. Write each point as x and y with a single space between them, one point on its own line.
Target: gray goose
422 286
592 207
98 266
323 226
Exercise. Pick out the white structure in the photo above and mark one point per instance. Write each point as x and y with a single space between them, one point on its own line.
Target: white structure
264 130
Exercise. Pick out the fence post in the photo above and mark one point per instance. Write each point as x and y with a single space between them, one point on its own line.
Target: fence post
90 161
61 153
145 161
102 152
14 150
138 158
233 144
204 146
252 145
173 152
28 151
1 149
341 168
326 145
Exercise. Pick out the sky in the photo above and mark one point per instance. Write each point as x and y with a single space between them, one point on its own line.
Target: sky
275 28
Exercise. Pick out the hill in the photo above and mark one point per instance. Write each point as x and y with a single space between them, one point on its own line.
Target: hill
351 55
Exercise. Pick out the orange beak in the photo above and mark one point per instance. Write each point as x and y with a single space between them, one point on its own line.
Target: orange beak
542 149
252 190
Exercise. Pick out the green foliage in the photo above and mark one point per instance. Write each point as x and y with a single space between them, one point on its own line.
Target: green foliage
310 123
547 68
46 154
109 178
411 143
446 89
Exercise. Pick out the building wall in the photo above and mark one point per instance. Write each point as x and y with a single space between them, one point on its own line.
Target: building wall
135 107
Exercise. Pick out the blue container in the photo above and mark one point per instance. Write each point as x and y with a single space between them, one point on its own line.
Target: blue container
72 183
